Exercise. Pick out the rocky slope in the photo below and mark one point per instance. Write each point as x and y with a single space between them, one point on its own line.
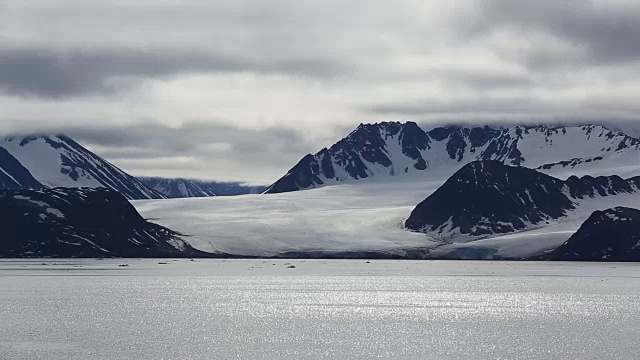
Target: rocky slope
81 222
486 198
609 235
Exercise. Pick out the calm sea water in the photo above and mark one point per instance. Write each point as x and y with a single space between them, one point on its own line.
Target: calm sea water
254 309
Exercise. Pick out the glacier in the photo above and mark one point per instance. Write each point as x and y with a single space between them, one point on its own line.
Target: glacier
346 214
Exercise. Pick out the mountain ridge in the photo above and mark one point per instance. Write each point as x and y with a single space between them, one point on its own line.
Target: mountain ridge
391 149
184 187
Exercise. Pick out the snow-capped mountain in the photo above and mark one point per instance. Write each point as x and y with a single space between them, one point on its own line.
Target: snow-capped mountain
184 188
486 198
178 188
81 222
392 149
608 235
58 161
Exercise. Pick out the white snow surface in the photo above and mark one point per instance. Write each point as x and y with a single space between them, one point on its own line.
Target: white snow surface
349 217
44 163
366 216
44 157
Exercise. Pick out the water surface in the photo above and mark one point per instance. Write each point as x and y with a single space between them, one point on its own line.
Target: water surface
207 309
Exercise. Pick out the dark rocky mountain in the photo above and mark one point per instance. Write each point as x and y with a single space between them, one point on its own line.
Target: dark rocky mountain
609 235
59 161
392 149
487 197
184 188
81 222
178 188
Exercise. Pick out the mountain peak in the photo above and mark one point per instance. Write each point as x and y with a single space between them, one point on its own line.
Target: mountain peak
391 149
59 161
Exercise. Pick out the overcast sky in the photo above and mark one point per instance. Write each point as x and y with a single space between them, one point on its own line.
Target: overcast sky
241 90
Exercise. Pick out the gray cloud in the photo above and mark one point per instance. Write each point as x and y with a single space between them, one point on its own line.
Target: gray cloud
512 110
197 149
272 80
51 74
512 104
600 32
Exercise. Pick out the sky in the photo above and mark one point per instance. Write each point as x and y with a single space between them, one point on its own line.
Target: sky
241 90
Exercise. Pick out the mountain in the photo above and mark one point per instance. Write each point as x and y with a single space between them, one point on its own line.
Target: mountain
487 198
392 149
58 161
184 188
608 235
178 188
81 222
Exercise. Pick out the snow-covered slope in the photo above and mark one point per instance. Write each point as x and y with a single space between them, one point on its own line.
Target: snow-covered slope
58 161
346 218
183 188
391 150
13 175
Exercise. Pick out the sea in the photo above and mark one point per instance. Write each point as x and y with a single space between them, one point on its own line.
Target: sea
317 309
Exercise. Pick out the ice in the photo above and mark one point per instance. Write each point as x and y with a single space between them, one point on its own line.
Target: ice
363 216
349 217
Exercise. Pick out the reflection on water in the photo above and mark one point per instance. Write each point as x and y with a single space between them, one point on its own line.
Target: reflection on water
78 309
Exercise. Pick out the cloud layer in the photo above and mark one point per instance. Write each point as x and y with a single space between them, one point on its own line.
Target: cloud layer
240 90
